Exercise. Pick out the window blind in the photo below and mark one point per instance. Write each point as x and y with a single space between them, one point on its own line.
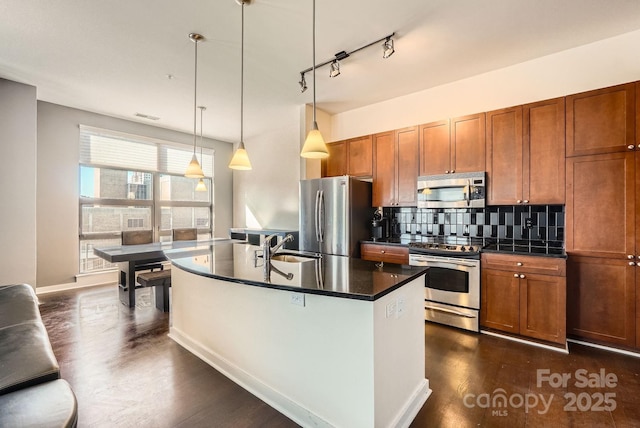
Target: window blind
101 147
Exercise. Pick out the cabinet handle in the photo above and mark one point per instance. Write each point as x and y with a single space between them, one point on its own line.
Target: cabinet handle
452 171
526 201
446 172
630 147
519 201
632 263
522 276
515 275
519 264
382 251
630 257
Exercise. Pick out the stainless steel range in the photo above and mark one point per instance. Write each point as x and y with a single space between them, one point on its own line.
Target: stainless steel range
452 285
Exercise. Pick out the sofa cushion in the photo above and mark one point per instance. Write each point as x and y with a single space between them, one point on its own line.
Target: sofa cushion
50 404
26 357
18 303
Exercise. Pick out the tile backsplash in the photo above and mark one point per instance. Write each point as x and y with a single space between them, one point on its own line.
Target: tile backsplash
521 225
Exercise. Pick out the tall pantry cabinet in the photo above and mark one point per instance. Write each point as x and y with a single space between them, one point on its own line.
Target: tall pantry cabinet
603 226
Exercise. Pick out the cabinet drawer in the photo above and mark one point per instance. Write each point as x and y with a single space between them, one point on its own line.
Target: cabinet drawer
525 264
385 253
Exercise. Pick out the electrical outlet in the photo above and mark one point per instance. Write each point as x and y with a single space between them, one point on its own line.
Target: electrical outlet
528 223
297 299
400 307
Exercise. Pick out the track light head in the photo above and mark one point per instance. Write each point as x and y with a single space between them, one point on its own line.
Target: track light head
303 83
335 69
387 48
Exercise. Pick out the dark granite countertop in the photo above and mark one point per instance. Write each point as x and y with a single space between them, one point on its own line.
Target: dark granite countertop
328 275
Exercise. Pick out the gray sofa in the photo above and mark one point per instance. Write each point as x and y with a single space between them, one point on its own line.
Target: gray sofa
32 394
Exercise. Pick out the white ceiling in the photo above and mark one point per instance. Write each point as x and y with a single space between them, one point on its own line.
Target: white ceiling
113 57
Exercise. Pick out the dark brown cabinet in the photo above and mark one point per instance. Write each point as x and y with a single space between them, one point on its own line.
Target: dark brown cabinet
601 121
385 253
349 157
524 295
526 154
395 172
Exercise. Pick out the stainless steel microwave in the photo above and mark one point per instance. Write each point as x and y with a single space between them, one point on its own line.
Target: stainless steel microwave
458 190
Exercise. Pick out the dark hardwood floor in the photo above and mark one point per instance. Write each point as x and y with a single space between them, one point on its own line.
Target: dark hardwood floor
126 372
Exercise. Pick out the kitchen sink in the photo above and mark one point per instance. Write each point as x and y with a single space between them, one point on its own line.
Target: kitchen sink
290 257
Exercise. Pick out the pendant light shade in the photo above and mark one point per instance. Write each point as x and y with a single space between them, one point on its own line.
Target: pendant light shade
194 170
201 187
314 146
240 159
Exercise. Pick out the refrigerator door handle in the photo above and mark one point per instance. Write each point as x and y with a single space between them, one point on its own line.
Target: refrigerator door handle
321 217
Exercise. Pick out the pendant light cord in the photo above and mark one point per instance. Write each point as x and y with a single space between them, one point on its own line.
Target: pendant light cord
195 92
314 63
242 81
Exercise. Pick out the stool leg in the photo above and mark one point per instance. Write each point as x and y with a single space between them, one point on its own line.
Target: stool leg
162 296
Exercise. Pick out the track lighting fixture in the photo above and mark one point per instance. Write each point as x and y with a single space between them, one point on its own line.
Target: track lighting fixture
334 63
335 69
303 83
387 48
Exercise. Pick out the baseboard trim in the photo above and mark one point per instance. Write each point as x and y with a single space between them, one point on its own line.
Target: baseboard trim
410 411
275 399
527 342
605 348
82 281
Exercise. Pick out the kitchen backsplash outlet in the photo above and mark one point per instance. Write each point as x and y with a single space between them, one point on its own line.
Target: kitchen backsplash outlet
534 226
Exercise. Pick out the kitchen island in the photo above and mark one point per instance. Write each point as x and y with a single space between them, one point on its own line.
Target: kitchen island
330 341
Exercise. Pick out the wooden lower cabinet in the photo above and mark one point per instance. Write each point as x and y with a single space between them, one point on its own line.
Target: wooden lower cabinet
518 299
385 253
602 296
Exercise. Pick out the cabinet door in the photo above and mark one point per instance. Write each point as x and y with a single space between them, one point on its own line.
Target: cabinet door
601 205
385 253
407 166
500 305
543 307
435 154
467 143
543 152
360 153
601 121
336 163
384 171
504 156
602 296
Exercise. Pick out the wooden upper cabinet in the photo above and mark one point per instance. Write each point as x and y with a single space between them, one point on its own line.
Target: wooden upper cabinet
435 148
407 166
336 163
601 207
504 156
395 172
384 169
544 152
601 121
468 143
360 156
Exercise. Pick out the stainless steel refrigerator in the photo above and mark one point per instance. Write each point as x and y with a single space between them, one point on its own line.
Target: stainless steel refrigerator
335 215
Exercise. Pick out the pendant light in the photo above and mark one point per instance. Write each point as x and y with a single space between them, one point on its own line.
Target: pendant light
314 146
194 170
240 159
201 187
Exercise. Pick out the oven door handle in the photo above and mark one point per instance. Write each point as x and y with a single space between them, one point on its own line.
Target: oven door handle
448 311
442 264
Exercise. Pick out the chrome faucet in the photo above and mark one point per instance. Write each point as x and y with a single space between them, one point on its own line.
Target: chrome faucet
267 251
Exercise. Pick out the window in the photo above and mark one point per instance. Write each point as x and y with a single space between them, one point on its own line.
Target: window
134 183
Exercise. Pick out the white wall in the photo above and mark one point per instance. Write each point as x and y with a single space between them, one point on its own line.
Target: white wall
17 183
597 65
57 195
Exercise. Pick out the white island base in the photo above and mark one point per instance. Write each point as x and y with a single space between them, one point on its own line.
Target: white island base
335 361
